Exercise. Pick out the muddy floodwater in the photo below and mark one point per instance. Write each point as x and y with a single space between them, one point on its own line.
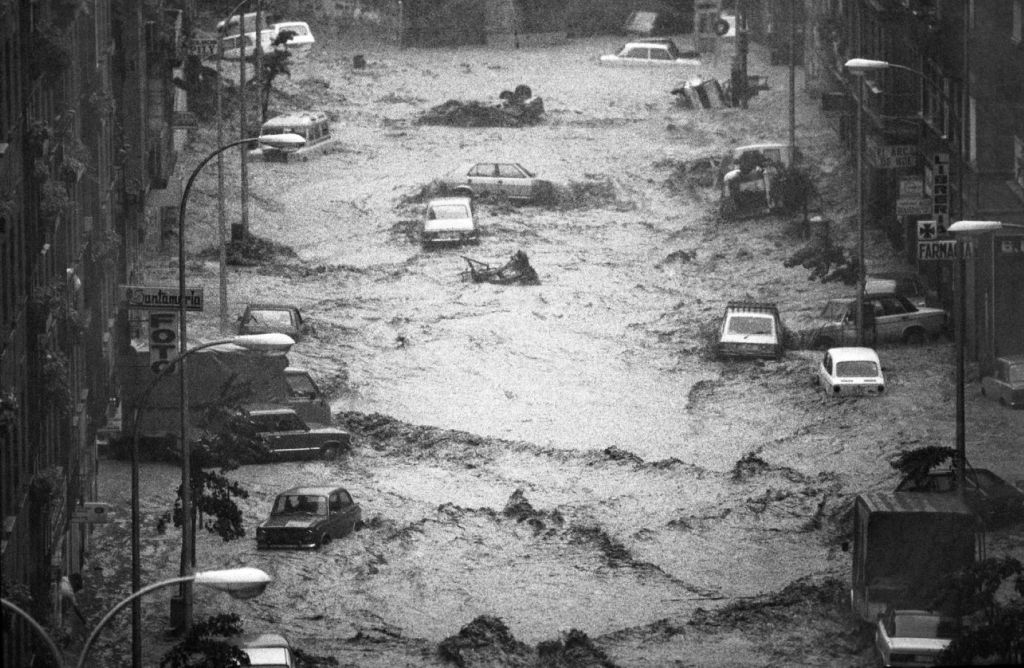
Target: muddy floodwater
565 456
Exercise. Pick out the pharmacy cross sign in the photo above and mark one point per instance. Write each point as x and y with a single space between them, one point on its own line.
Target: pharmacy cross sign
926 230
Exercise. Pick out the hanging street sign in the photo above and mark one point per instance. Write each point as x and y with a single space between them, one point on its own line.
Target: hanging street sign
913 206
162 298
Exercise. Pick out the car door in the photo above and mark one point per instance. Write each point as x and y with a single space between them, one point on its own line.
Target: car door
483 177
347 513
513 182
891 317
336 516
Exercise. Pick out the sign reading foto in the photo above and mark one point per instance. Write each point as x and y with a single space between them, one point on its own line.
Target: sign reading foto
162 299
163 340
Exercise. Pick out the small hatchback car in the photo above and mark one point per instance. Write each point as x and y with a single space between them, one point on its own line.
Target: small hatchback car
912 637
849 371
750 329
308 517
449 220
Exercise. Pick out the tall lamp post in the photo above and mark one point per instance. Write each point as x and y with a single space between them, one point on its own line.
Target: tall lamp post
963 230
250 341
240 583
854 67
282 141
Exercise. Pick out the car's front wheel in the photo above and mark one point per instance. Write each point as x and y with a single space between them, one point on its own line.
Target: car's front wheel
331 453
325 539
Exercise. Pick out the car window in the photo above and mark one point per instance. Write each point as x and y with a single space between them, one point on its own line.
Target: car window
1014 373
744 324
449 212
890 306
510 172
660 54
483 169
635 52
856 369
346 499
335 502
827 362
300 385
275 318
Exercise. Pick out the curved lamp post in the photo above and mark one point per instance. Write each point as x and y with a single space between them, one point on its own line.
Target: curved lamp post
242 583
286 140
250 341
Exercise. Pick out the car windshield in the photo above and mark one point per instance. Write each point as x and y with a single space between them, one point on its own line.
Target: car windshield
300 385
270 317
748 324
835 309
1015 372
448 212
923 626
300 504
856 369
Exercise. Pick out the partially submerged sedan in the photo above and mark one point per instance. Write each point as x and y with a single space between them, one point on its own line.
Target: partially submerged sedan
1006 382
850 371
502 178
308 517
652 52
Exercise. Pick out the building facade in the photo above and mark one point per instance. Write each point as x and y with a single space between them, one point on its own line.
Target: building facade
942 139
85 135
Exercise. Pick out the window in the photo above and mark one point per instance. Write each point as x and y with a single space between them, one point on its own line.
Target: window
636 52
660 54
483 169
509 172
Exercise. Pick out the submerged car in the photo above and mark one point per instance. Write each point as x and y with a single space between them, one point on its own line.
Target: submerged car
989 496
308 517
287 436
912 637
654 52
888 318
850 371
750 329
748 177
504 178
449 220
270 318
1006 383
909 284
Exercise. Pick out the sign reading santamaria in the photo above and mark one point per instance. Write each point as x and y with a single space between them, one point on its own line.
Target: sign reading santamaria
162 298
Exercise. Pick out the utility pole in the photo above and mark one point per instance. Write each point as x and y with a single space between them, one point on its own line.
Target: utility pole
792 77
738 76
222 255
240 231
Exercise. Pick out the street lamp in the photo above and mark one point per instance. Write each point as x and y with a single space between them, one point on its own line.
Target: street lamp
855 66
272 341
962 229
286 140
241 583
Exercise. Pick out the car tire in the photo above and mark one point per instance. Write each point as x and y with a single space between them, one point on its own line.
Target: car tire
331 453
325 539
914 336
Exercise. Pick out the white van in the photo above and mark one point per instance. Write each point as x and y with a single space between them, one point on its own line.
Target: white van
229 26
313 126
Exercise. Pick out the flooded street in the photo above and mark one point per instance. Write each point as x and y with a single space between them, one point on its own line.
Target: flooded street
562 456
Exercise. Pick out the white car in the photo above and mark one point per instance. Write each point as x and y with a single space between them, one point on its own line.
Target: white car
449 220
655 52
269 649
912 637
507 178
850 371
750 329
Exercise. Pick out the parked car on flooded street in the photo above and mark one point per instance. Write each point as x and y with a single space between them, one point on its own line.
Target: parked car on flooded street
449 220
308 517
912 637
888 318
497 178
272 318
1006 382
653 52
750 329
850 371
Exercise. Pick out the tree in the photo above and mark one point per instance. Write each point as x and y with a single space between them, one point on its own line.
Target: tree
204 647
275 63
990 597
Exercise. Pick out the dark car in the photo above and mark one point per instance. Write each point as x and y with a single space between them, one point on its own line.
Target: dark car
308 517
271 318
288 436
992 498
